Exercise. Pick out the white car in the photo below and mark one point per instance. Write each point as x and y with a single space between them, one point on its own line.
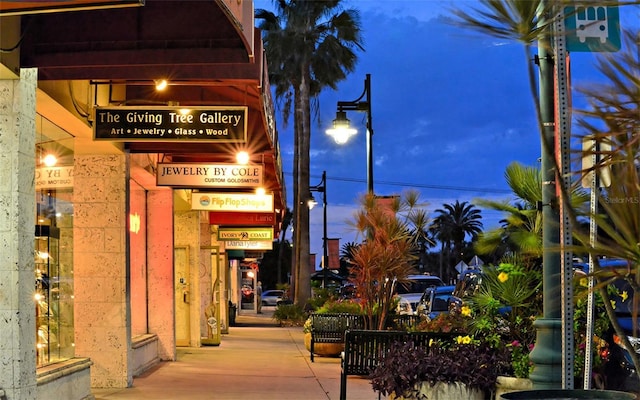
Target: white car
271 297
411 292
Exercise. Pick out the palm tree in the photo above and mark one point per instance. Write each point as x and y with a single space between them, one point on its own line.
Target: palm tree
309 45
346 257
527 21
457 221
440 231
521 230
612 118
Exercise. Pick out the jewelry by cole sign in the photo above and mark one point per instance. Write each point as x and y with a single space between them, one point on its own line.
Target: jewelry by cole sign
211 124
209 175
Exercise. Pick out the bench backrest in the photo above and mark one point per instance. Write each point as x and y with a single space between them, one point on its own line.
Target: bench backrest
335 322
364 349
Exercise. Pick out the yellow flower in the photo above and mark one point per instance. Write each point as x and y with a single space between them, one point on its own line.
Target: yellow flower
584 282
431 342
624 296
463 339
613 304
465 311
503 277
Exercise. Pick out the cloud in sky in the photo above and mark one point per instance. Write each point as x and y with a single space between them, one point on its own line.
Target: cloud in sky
450 110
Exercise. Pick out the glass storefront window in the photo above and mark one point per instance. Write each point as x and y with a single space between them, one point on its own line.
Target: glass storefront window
53 246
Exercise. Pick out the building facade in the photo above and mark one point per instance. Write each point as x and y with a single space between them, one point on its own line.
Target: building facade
117 237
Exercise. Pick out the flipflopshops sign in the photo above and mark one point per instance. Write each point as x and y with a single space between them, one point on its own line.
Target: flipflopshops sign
212 124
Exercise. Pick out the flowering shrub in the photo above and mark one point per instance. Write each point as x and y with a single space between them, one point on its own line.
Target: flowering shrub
503 309
602 325
519 357
465 361
455 321
306 328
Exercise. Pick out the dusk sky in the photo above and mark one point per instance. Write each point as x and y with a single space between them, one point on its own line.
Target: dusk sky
451 109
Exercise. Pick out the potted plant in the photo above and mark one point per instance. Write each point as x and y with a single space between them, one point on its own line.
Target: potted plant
461 370
393 229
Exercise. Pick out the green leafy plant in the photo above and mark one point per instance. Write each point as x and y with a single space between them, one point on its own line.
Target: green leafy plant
521 365
406 366
340 306
601 328
504 307
290 315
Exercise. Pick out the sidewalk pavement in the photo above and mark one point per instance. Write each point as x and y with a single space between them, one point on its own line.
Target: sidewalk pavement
257 360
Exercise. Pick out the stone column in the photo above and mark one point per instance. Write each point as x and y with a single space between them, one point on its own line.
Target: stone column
101 267
17 231
160 267
187 233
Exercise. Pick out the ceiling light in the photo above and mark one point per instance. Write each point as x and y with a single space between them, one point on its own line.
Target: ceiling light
161 84
242 157
50 160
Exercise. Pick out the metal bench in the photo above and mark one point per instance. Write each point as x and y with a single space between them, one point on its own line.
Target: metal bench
364 349
330 327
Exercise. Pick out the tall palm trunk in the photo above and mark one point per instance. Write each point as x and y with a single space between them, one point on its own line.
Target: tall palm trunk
296 198
303 291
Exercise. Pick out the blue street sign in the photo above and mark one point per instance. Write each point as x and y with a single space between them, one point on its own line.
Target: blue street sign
592 28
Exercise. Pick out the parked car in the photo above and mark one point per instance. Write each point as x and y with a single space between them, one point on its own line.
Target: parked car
272 297
410 293
434 301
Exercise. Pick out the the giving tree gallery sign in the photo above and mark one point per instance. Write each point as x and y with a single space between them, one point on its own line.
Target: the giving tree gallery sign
213 124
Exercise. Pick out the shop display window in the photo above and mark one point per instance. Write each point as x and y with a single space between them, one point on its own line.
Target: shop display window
53 245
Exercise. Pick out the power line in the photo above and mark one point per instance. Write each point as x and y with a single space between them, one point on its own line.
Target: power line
418 185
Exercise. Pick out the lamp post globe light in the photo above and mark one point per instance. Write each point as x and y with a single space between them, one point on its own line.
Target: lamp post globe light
342 131
322 188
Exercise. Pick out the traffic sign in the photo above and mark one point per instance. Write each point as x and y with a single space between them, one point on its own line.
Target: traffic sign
592 28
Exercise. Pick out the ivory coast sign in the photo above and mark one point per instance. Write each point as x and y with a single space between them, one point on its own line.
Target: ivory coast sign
251 234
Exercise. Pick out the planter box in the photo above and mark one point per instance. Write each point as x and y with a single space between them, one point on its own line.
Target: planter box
444 391
508 384
323 349
569 394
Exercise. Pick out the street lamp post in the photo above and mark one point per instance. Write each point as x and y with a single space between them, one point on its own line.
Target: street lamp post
322 188
341 131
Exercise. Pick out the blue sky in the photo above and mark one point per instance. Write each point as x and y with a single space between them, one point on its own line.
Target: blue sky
451 109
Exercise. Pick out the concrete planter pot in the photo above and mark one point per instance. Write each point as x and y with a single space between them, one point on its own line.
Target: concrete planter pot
508 384
444 391
323 349
569 394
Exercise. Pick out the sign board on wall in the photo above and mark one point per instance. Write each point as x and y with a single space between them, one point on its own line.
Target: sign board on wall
249 245
209 175
167 124
242 219
239 202
18 7
54 177
251 234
